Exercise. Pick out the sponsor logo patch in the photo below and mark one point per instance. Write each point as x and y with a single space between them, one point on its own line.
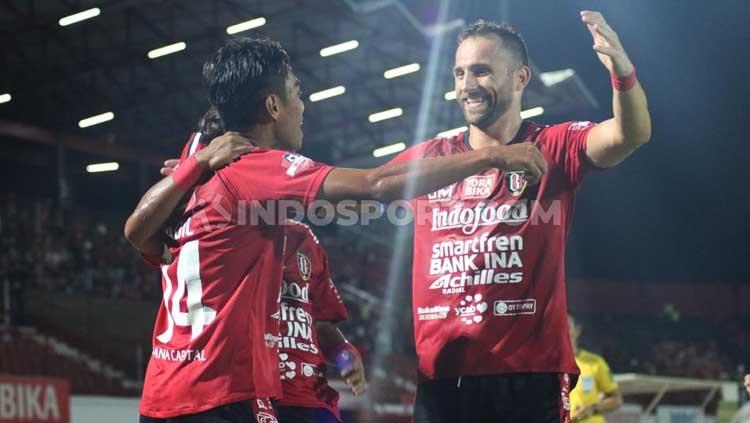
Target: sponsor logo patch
433 313
271 340
482 214
515 182
471 309
443 194
476 187
293 163
292 291
304 266
514 307
288 369
581 125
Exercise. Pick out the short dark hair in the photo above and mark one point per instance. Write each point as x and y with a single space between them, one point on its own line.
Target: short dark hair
241 74
511 38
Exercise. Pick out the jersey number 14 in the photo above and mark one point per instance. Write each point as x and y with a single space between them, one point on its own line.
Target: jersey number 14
197 315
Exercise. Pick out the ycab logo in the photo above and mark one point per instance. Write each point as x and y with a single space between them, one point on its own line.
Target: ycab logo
471 309
443 194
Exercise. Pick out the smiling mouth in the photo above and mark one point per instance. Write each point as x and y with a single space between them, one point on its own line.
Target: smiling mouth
474 100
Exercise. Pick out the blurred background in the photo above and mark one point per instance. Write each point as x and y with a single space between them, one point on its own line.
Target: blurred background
91 104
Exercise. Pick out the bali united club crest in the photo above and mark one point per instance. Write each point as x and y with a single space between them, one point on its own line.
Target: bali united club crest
515 182
304 265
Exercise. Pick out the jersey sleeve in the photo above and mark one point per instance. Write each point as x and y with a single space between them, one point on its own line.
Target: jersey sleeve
603 377
327 303
419 151
566 145
264 175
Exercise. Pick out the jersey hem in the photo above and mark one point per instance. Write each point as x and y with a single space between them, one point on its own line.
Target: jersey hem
181 411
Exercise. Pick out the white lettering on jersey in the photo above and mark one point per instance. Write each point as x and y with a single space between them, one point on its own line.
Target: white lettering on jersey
476 187
443 194
292 291
450 284
469 219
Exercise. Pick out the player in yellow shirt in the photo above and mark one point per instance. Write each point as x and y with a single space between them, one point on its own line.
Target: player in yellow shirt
596 393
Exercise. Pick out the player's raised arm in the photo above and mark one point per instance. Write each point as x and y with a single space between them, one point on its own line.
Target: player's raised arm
611 141
144 227
388 182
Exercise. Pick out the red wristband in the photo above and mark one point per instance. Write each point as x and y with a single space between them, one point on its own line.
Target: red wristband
624 83
187 173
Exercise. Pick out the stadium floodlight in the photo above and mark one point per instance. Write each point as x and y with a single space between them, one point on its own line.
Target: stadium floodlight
534 111
450 95
389 149
339 48
452 132
245 26
95 120
163 51
401 71
331 92
386 114
555 77
4 98
102 167
80 16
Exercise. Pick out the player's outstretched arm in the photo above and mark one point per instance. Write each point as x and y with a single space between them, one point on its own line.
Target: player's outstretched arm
389 182
144 227
611 141
333 343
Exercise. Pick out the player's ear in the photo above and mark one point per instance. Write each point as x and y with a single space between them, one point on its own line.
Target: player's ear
273 106
522 77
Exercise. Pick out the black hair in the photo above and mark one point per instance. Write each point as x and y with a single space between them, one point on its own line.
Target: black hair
512 40
241 74
210 125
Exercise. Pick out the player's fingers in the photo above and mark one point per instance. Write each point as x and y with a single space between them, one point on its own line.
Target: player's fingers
533 174
355 378
171 163
347 372
608 34
244 148
359 389
540 162
590 16
166 171
591 29
607 51
359 386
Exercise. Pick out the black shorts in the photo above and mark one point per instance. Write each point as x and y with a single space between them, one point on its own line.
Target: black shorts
289 414
512 398
250 411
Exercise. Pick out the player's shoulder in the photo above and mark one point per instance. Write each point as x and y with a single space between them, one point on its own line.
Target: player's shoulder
269 162
562 128
445 143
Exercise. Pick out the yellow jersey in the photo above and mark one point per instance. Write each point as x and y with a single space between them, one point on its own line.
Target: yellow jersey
594 382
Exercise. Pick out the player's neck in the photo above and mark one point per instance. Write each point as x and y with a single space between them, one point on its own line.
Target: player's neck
261 136
501 132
